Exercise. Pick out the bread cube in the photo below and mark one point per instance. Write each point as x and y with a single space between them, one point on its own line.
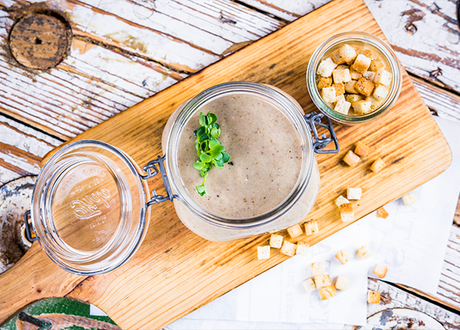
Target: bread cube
361 149
369 75
326 67
341 283
324 82
288 248
383 77
347 213
354 193
382 213
366 52
352 97
344 256
347 53
380 270
375 103
263 252
362 107
351 159
376 65
380 92
311 228
364 86
363 252
322 280
350 87
329 94
302 249
339 89
276 241
327 292
341 200
342 106
342 67
341 75
377 165
361 63
409 199
355 75
335 56
373 297
318 268
295 231
309 285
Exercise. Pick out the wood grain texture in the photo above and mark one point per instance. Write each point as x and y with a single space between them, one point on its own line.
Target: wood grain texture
175 271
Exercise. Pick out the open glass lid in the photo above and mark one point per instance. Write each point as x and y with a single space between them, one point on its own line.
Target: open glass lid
89 207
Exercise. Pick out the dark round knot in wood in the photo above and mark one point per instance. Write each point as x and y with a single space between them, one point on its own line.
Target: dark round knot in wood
39 41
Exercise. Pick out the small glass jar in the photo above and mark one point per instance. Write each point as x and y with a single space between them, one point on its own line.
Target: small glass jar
90 205
360 39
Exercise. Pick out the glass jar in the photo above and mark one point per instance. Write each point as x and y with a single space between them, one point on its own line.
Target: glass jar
91 200
360 39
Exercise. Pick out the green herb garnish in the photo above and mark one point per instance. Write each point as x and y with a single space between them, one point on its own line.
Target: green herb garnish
210 151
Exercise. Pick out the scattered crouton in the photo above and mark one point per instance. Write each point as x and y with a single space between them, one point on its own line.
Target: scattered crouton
350 87
347 213
335 56
309 285
351 159
342 106
327 292
318 268
364 86
347 53
376 65
361 63
311 228
324 82
354 193
341 200
409 199
341 75
362 107
263 252
339 89
380 92
322 280
341 283
295 231
383 77
361 149
363 252
378 165
373 297
326 67
276 241
302 249
329 94
380 270
344 256
288 249
382 213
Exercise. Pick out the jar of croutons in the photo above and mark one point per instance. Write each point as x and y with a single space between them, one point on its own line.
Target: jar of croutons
354 78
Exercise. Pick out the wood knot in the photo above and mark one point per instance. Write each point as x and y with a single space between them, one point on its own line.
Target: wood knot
40 38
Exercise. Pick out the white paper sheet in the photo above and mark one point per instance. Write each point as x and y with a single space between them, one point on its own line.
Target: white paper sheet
187 324
277 295
412 240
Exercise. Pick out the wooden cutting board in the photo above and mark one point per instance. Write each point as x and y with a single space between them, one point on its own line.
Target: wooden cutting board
175 271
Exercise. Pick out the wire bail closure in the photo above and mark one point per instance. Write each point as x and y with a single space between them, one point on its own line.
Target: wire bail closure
152 170
319 143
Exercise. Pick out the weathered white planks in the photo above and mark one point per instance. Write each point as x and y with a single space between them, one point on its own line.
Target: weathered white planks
449 283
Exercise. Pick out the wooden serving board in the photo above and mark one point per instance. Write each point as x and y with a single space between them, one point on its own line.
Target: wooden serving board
175 271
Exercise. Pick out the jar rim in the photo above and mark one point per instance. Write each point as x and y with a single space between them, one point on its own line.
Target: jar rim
286 105
378 43
124 242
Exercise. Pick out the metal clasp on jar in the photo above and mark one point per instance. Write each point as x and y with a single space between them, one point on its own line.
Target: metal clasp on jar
152 170
313 119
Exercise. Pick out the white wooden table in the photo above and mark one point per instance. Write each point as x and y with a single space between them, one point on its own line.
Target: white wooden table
123 51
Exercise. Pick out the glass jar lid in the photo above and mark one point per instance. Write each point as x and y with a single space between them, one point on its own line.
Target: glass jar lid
89 207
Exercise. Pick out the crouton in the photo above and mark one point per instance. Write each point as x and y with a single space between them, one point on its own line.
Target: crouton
341 283
309 285
380 270
362 107
342 106
366 52
288 248
347 53
311 228
383 77
263 252
355 75
376 65
364 86
344 256
327 292
295 231
409 199
341 75
363 252
324 82
276 241
354 193
361 63
339 89
336 58
353 97
341 200
318 268
361 149
326 67
369 75
322 280
377 165
350 87
351 159
373 297
380 92
382 213
347 213
302 249
329 94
